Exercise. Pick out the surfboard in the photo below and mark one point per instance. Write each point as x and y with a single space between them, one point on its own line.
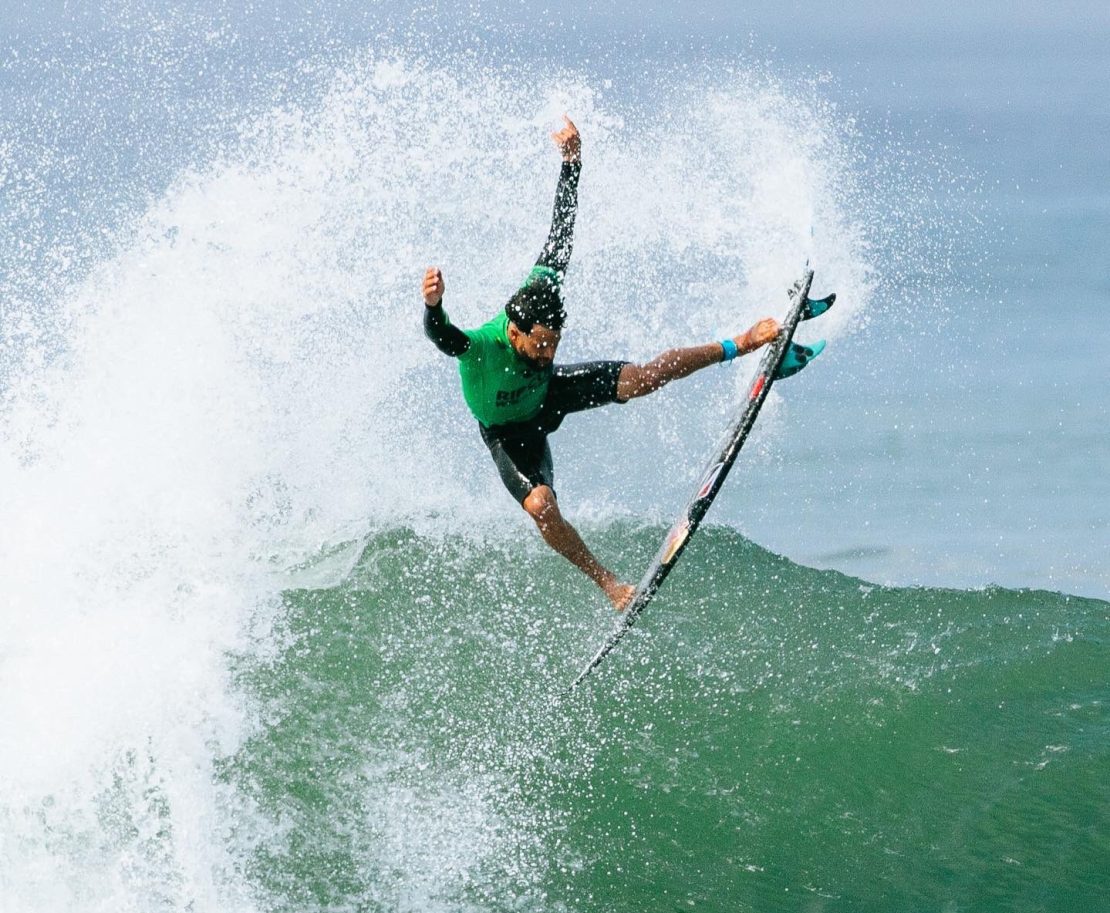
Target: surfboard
782 358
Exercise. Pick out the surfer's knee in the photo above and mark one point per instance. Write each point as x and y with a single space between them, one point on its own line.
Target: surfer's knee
540 504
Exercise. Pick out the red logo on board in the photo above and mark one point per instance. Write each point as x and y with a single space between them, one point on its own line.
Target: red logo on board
708 480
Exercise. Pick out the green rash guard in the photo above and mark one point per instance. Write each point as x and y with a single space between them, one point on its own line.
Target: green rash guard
498 385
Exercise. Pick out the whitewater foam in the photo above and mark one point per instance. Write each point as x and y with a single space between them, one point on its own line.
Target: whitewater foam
242 382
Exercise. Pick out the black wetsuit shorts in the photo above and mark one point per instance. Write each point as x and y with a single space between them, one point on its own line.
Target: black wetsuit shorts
520 449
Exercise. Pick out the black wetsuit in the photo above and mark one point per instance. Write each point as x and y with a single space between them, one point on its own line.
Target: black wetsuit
520 448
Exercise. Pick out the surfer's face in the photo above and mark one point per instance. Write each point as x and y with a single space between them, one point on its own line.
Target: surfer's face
538 347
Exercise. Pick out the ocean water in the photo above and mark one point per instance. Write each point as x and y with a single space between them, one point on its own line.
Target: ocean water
274 639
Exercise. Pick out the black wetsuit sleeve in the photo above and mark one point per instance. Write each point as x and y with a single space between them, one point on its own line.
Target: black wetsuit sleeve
560 240
450 340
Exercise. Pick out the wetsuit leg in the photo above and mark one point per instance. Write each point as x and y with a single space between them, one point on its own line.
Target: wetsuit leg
575 388
520 450
522 456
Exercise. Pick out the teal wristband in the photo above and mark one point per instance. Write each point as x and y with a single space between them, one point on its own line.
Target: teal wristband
730 349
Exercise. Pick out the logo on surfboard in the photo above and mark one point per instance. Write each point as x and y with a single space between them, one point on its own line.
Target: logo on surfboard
679 534
708 480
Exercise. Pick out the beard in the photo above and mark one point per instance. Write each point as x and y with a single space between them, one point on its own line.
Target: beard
537 364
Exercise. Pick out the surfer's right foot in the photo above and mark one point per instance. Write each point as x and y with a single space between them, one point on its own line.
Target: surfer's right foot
620 594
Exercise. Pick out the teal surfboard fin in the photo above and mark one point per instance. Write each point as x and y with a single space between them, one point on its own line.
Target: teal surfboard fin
815 307
797 357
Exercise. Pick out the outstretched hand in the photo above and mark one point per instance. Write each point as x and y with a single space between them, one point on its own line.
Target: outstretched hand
568 141
433 287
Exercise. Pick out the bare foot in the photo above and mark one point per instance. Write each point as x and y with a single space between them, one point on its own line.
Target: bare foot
620 594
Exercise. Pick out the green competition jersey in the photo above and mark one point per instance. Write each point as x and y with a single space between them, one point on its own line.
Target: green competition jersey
498 385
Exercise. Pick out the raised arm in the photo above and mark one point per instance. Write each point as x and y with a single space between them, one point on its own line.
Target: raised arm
560 240
450 340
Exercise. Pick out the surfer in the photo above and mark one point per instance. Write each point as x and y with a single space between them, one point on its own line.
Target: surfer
519 396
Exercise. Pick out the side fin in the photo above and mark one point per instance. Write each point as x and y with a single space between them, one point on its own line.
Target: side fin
797 357
815 307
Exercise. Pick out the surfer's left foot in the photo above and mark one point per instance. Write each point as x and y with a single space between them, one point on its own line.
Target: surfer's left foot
620 594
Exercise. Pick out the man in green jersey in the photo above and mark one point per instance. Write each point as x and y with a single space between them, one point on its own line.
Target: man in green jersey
519 396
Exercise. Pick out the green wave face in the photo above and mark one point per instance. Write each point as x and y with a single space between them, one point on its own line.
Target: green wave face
769 738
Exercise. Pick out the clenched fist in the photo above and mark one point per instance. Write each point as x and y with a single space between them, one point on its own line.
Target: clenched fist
433 287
